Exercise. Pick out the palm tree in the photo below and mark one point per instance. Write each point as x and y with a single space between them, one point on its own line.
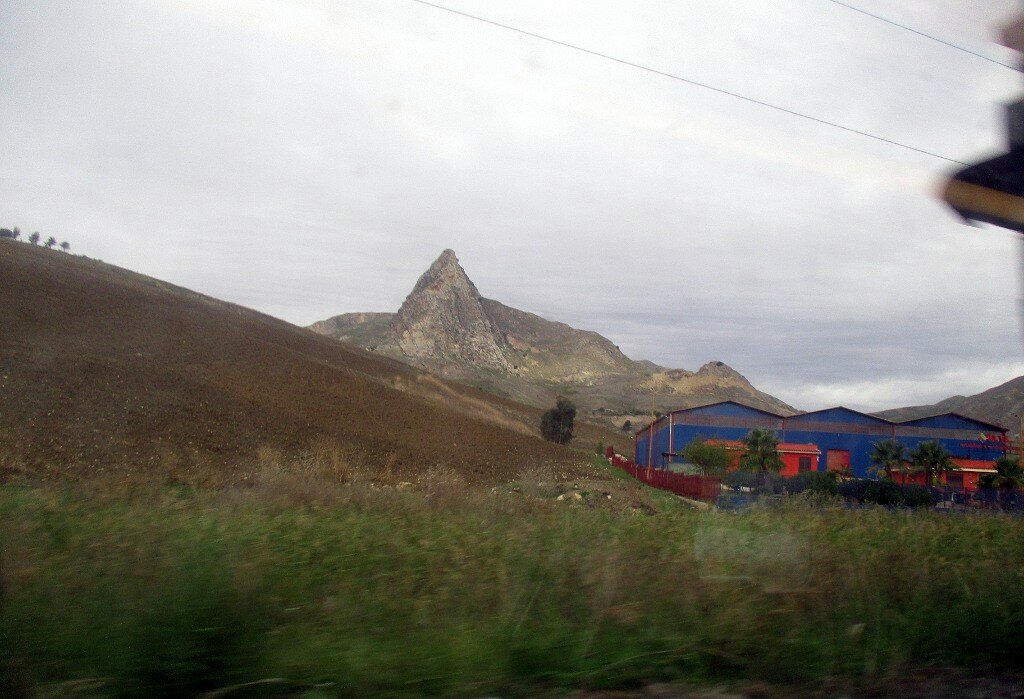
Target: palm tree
51 241
887 456
1009 477
34 238
762 454
65 246
931 459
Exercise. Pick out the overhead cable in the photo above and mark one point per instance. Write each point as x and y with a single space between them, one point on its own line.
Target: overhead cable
926 36
688 81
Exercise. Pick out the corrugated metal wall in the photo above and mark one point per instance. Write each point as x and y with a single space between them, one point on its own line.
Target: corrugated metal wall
836 429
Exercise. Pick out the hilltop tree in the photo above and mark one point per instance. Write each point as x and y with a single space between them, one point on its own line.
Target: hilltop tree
51 241
931 459
556 425
34 238
887 456
627 426
762 453
712 458
6 233
65 246
16 232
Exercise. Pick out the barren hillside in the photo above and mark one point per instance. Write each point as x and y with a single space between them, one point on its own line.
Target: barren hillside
102 369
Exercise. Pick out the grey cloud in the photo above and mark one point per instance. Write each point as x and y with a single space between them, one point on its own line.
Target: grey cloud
313 158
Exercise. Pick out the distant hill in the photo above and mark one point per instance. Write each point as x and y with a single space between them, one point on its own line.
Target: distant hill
445 326
106 371
1001 405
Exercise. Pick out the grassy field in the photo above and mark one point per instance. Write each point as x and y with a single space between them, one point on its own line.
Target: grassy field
325 588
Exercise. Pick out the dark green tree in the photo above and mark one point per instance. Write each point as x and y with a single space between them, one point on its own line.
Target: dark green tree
51 241
713 459
65 246
556 425
1009 474
931 459
16 232
887 456
6 233
34 238
627 426
762 453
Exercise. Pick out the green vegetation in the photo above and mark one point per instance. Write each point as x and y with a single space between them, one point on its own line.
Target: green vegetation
1009 475
713 459
556 425
762 452
355 590
931 459
886 493
15 234
887 456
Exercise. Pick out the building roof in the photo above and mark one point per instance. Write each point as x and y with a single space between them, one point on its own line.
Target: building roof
980 423
677 411
728 402
843 409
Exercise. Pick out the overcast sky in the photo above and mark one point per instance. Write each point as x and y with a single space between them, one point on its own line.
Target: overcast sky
312 158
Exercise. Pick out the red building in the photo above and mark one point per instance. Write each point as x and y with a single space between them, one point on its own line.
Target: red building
966 476
796 458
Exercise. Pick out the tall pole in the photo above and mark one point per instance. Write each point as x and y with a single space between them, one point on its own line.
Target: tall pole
654 417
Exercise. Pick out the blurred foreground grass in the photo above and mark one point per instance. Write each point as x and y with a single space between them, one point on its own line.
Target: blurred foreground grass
175 591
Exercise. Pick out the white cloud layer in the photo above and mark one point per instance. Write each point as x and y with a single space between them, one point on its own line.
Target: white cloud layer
311 158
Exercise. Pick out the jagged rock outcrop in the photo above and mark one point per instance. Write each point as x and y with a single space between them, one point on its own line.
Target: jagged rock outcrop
444 325
443 320
361 329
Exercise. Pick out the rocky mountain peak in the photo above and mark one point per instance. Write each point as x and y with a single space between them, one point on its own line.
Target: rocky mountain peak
721 370
445 271
443 320
445 326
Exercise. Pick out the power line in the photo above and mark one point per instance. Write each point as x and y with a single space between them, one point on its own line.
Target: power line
688 81
926 36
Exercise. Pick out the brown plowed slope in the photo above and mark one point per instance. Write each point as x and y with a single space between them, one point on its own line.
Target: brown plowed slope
102 369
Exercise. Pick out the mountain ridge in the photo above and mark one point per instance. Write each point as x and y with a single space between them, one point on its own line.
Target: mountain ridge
445 326
1000 405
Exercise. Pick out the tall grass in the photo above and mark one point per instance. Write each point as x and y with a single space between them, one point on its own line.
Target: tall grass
442 590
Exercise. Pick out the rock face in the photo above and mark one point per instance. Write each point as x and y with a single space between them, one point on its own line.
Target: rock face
443 320
445 326
361 329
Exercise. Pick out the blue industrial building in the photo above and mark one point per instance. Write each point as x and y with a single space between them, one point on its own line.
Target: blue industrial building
845 437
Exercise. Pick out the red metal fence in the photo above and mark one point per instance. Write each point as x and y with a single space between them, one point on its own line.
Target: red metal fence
696 487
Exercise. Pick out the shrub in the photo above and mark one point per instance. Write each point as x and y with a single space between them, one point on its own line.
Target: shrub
810 481
883 493
917 496
886 493
711 458
853 489
556 425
